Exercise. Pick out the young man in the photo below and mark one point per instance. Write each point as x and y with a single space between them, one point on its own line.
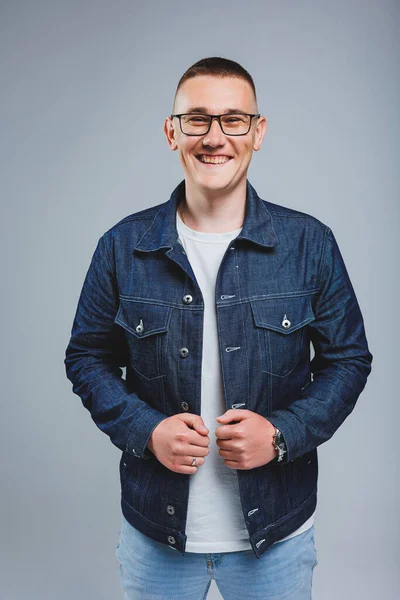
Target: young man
210 300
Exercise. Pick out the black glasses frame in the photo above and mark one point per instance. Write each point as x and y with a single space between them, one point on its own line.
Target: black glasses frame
218 117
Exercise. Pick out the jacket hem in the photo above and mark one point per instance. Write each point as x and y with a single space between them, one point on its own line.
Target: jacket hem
265 538
260 541
152 530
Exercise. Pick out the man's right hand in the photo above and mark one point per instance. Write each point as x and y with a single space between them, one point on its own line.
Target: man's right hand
177 439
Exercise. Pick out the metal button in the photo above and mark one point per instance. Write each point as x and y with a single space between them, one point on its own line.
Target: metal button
170 510
171 539
185 405
184 352
187 299
286 323
140 327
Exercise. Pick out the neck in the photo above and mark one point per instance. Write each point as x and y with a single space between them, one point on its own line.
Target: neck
213 213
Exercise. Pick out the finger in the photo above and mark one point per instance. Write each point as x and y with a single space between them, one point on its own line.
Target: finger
234 414
199 461
232 464
229 454
184 464
186 469
198 440
224 444
193 450
225 432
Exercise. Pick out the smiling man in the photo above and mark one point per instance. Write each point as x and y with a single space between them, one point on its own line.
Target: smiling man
212 300
215 154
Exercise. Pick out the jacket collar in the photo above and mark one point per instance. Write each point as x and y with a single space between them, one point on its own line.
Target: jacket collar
162 233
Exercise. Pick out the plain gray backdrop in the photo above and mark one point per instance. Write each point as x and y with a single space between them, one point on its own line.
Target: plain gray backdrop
85 89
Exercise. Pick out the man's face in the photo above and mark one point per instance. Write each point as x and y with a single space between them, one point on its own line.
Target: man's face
215 95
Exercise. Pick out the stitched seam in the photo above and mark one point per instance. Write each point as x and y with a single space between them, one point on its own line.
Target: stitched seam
323 254
269 297
160 302
104 239
154 218
236 252
129 219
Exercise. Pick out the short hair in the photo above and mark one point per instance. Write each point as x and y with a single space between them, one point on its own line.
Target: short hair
217 66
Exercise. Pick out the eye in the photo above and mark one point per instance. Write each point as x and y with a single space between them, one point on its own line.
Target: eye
234 119
197 120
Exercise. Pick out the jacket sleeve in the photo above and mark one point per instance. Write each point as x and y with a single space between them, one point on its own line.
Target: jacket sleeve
340 366
93 358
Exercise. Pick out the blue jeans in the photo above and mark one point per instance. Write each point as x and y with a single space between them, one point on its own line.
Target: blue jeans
150 570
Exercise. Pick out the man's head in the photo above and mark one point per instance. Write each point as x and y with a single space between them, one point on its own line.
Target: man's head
215 86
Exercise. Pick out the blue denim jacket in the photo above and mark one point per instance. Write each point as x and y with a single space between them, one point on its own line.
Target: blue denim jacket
282 284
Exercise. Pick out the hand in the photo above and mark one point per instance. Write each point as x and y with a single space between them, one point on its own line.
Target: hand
177 439
248 443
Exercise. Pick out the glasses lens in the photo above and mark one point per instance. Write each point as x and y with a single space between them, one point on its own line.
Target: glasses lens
235 124
232 124
195 124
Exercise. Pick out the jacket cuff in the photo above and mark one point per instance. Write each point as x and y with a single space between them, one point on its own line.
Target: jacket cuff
283 421
144 427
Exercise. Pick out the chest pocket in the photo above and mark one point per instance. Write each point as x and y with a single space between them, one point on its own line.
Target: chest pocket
146 326
280 326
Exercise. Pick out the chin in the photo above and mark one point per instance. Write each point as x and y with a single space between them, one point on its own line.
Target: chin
221 181
215 185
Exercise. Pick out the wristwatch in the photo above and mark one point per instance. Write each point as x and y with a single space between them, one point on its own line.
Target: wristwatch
279 444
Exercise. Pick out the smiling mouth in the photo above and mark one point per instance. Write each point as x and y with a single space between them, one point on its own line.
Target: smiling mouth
213 160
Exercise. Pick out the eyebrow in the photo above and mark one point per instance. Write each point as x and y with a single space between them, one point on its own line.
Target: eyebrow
228 111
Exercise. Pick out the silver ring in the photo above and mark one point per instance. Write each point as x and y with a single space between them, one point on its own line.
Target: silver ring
193 461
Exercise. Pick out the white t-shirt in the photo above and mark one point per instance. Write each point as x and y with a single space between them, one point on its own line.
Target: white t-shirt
215 521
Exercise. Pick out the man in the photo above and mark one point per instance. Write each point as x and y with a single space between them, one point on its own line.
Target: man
210 300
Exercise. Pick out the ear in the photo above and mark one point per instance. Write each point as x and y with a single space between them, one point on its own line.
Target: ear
259 133
170 133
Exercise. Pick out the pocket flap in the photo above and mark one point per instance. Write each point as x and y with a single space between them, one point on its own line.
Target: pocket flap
283 315
143 318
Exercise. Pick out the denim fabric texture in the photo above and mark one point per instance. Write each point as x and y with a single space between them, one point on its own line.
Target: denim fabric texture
282 285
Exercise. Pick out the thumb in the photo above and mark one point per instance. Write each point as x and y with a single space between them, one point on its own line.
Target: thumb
226 416
233 414
199 426
196 422
221 418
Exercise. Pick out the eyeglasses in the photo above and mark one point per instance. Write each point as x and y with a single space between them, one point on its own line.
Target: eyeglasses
231 124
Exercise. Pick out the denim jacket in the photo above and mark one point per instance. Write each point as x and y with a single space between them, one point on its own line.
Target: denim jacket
282 284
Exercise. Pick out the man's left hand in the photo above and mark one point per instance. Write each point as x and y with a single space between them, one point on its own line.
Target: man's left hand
247 443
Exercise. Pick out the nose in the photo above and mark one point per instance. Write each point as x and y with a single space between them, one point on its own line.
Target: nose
215 136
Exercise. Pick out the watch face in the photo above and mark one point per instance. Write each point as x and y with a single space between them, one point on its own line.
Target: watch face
281 442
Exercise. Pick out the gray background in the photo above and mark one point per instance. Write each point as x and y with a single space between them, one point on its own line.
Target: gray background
85 88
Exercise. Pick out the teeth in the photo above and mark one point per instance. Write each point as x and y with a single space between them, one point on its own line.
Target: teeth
214 159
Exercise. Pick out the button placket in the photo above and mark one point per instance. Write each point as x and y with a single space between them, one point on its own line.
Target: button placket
184 352
227 297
